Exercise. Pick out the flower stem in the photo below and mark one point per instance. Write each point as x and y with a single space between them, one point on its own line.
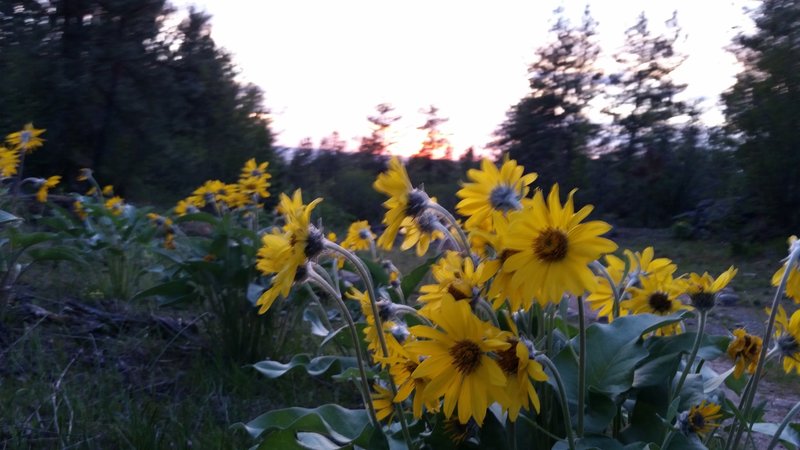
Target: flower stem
581 364
373 300
404 309
562 393
319 281
449 217
792 412
750 395
690 362
603 272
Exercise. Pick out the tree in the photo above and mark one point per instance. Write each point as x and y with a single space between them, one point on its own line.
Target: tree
763 113
646 130
376 144
435 142
548 130
153 109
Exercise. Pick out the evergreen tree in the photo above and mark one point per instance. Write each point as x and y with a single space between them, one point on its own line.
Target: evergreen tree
763 112
646 114
548 130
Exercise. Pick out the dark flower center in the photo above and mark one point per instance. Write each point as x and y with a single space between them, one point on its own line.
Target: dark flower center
315 242
788 346
508 358
703 301
427 222
504 198
697 421
466 356
417 201
551 245
660 302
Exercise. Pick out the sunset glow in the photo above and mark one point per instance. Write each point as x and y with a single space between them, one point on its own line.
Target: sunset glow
324 66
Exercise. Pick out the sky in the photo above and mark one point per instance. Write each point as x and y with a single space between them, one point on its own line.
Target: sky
324 65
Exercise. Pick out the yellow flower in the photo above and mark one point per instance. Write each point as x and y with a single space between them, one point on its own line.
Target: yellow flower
26 139
115 205
457 278
700 418
84 174
80 211
371 331
401 367
284 252
45 186
787 335
252 169
382 402
9 161
420 232
404 201
793 283
493 192
639 265
744 350
554 248
457 361
520 370
658 295
108 190
601 298
359 236
254 179
703 289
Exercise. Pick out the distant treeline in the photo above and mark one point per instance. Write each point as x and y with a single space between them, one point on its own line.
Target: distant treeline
156 110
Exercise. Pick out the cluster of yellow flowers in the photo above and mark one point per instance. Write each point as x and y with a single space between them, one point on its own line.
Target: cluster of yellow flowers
12 156
252 186
517 250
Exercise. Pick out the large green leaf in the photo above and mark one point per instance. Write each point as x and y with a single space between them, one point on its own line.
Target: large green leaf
790 437
55 254
8 218
315 367
340 425
378 273
614 350
317 327
711 347
414 278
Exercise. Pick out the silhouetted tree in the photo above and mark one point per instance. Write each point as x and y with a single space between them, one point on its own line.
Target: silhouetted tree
763 112
548 130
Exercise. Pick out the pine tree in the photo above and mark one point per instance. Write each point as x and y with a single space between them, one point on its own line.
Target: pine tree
548 130
763 112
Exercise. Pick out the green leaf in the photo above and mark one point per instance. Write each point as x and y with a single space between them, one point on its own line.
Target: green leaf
379 275
656 371
790 437
414 278
341 336
25 240
711 347
314 367
338 424
8 218
614 350
168 293
317 327
55 254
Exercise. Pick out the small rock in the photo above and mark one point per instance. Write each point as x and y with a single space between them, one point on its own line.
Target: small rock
727 297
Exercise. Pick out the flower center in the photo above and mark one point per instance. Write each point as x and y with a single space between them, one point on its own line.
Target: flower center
660 302
417 201
504 198
551 245
25 137
788 345
364 234
697 421
508 358
314 244
466 356
427 222
703 300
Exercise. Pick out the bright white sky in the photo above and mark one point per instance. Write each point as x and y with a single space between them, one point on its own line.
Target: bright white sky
324 65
